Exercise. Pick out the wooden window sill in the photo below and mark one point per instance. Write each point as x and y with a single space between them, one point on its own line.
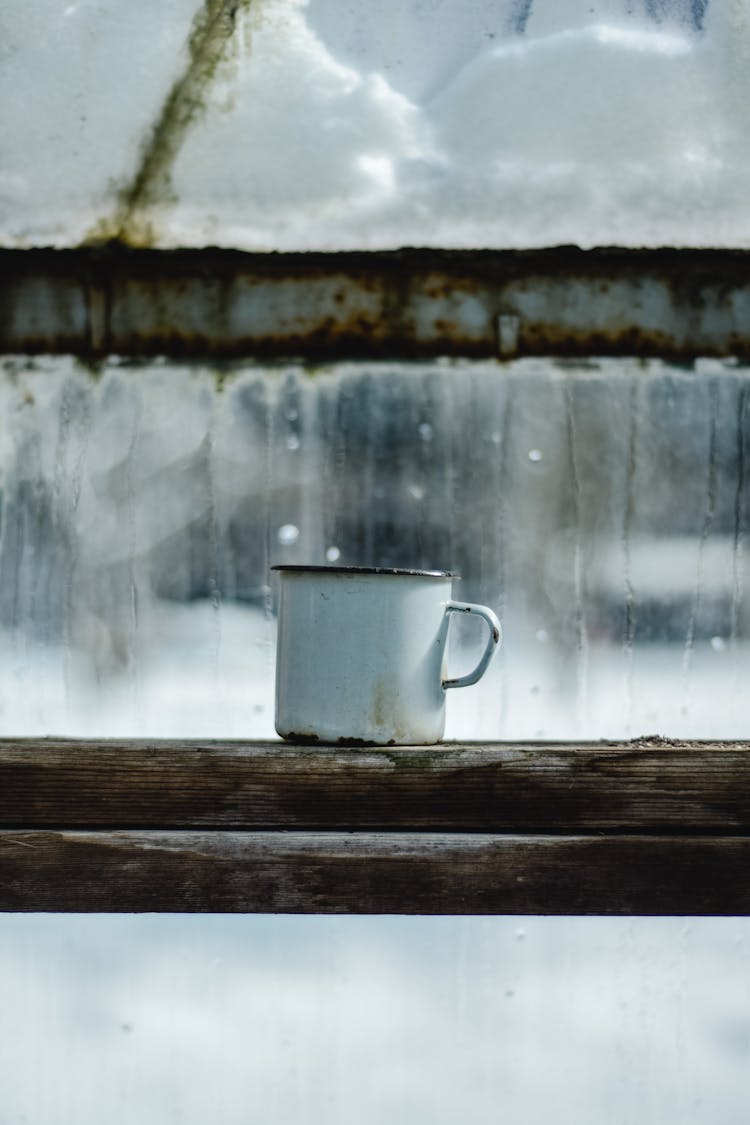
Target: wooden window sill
644 827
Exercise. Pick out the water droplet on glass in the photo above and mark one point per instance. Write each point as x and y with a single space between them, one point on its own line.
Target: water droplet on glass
535 455
495 437
535 690
258 708
718 644
542 636
520 934
416 491
291 413
292 442
288 534
333 554
509 993
425 431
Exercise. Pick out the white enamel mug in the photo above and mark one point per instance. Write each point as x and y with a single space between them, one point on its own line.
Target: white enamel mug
361 654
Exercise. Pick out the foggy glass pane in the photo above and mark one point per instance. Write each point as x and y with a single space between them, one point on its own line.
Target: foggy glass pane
602 508
295 124
81 84
404 1020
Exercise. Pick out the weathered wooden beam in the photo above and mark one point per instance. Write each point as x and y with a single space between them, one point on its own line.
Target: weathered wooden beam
564 301
363 873
646 827
633 787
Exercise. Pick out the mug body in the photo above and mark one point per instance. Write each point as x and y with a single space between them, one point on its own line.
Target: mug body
360 655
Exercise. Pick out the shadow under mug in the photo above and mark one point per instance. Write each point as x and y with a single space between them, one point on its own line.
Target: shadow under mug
361 654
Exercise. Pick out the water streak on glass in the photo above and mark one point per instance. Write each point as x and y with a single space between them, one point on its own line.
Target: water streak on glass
132 548
499 437
740 517
270 514
630 623
708 519
578 573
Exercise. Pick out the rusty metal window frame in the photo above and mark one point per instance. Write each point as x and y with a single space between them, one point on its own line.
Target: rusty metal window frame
674 304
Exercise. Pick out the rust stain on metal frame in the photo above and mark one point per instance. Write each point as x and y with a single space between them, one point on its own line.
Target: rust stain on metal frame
212 303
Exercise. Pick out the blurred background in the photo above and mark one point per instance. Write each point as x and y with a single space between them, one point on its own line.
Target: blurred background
602 507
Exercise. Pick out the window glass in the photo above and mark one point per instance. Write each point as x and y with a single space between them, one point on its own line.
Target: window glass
602 508
328 1020
81 84
284 124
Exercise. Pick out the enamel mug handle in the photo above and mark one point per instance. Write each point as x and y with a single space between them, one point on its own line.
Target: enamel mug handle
493 641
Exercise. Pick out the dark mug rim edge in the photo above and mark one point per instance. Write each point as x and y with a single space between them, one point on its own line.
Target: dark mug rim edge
320 569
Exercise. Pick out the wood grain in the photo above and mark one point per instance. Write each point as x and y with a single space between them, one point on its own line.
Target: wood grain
648 827
646 786
384 873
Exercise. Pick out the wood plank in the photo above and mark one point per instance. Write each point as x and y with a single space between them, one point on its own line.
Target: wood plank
644 786
421 873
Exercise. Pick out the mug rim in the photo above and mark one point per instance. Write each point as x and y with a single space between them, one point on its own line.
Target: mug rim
320 569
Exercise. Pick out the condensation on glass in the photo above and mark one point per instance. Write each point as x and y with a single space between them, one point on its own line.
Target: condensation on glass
285 124
406 1020
603 508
